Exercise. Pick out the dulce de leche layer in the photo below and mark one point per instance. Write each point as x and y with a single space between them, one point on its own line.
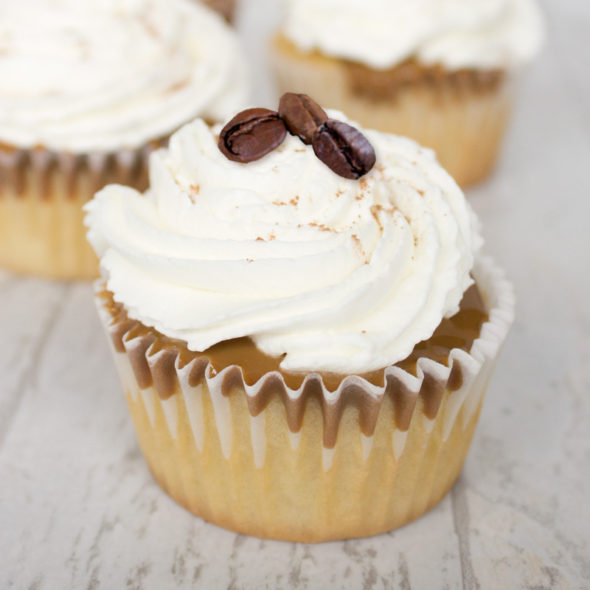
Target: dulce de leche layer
155 357
457 332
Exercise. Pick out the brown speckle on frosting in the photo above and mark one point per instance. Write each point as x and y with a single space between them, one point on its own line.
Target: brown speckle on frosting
150 28
359 247
321 226
179 85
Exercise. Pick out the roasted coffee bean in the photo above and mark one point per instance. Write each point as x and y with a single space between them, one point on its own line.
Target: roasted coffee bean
344 149
302 115
251 134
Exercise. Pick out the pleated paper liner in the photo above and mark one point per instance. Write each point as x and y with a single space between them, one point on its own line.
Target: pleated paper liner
41 197
462 116
308 464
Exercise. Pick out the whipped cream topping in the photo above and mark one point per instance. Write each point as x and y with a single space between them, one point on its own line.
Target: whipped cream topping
338 275
84 75
458 34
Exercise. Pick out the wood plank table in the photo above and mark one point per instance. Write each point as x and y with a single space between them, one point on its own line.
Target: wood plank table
78 508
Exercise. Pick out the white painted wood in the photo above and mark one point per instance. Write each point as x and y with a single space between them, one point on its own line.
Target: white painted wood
29 308
78 508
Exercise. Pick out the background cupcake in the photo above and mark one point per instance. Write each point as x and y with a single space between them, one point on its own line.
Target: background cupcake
439 72
346 348
87 90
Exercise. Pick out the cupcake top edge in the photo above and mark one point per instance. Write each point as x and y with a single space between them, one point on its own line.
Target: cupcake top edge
480 34
336 274
108 75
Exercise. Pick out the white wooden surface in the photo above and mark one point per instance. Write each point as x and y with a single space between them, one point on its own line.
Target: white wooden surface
78 508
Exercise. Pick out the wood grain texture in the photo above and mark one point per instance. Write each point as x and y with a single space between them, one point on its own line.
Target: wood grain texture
29 309
78 508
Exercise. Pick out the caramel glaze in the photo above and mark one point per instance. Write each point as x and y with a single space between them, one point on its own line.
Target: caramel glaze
386 84
154 358
457 332
92 170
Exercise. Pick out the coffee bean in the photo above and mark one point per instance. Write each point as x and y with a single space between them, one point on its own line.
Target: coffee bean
344 149
302 115
251 134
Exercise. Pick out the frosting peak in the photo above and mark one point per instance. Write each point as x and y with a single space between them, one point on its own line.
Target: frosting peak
337 275
84 75
485 34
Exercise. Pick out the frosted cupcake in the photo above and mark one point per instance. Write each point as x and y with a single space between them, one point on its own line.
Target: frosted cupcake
88 88
304 355
441 72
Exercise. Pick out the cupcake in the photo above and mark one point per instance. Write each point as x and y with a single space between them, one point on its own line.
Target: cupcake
88 89
442 73
303 325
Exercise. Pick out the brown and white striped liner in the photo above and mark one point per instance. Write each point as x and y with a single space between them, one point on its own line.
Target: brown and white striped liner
41 197
152 366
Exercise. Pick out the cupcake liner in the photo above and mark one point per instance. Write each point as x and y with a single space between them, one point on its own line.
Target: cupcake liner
463 121
307 464
41 197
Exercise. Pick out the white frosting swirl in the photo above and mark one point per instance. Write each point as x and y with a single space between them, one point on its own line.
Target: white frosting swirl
83 75
341 275
382 33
